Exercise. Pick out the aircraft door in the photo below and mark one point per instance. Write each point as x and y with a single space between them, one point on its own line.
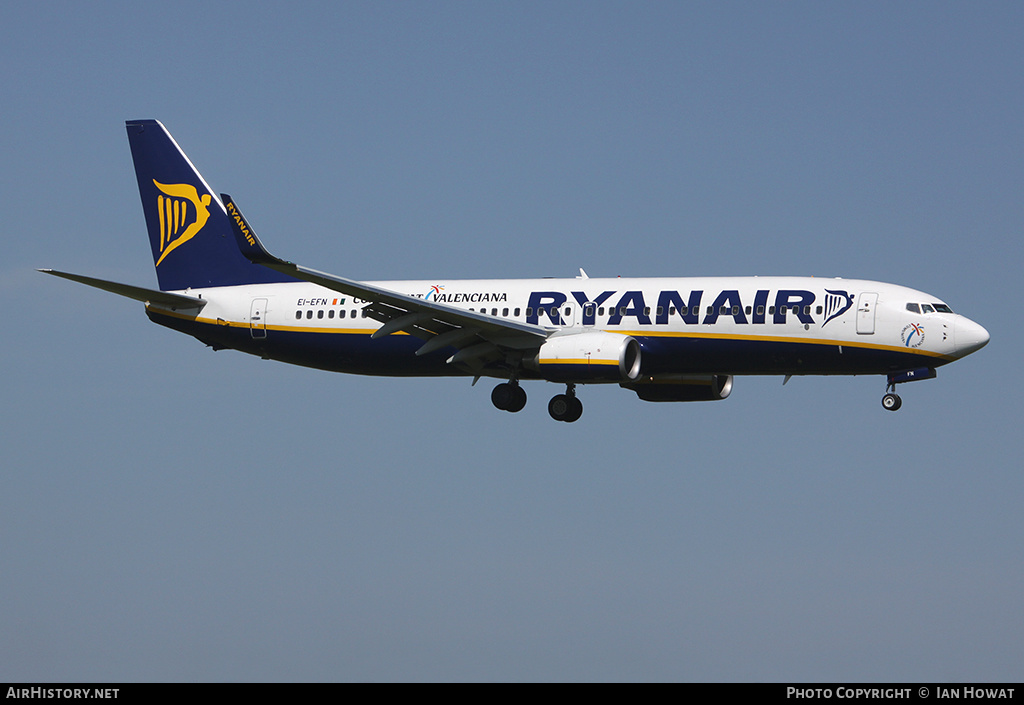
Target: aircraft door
866 305
257 318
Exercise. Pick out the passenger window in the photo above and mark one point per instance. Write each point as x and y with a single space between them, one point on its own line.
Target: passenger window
647 310
320 313
330 314
516 313
735 310
529 311
600 311
760 311
818 310
298 315
504 312
771 310
711 309
671 310
341 313
309 314
807 311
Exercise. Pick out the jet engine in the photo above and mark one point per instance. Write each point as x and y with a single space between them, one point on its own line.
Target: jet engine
682 387
596 356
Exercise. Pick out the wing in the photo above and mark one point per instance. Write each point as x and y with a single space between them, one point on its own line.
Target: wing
478 338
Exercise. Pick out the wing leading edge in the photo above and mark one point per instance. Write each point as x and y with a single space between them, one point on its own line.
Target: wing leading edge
480 339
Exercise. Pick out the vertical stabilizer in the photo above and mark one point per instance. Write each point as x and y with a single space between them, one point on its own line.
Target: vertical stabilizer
189 230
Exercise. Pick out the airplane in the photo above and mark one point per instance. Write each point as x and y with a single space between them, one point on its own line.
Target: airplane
665 339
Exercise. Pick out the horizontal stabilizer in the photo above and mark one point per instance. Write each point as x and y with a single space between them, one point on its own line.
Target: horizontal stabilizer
149 296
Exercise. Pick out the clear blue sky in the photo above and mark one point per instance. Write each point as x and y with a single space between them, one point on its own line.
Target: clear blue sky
171 513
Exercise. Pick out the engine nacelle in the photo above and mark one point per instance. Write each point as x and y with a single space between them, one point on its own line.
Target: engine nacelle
596 356
683 387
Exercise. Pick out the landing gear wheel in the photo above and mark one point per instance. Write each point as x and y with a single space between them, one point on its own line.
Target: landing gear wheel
558 407
518 399
575 410
563 407
891 402
509 397
501 396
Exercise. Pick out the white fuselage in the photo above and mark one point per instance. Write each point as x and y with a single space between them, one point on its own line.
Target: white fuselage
734 325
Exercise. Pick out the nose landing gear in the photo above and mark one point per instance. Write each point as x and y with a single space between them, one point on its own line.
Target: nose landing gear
891 401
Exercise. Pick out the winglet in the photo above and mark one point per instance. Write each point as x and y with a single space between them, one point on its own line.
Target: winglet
248 243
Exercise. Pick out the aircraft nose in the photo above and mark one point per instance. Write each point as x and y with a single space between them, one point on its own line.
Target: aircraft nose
969 336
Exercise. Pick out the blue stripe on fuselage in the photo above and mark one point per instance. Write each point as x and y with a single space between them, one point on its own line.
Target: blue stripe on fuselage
394 355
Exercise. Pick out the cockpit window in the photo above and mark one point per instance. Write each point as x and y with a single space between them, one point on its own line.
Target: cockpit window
929 308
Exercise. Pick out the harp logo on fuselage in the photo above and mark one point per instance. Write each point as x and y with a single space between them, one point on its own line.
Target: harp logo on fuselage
837 302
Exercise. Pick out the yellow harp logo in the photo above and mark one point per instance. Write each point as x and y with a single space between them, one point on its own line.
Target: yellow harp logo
179 222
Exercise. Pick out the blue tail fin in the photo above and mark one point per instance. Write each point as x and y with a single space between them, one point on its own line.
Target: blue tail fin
189 230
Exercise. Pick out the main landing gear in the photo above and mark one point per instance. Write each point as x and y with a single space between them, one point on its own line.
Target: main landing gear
509 396
566 407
